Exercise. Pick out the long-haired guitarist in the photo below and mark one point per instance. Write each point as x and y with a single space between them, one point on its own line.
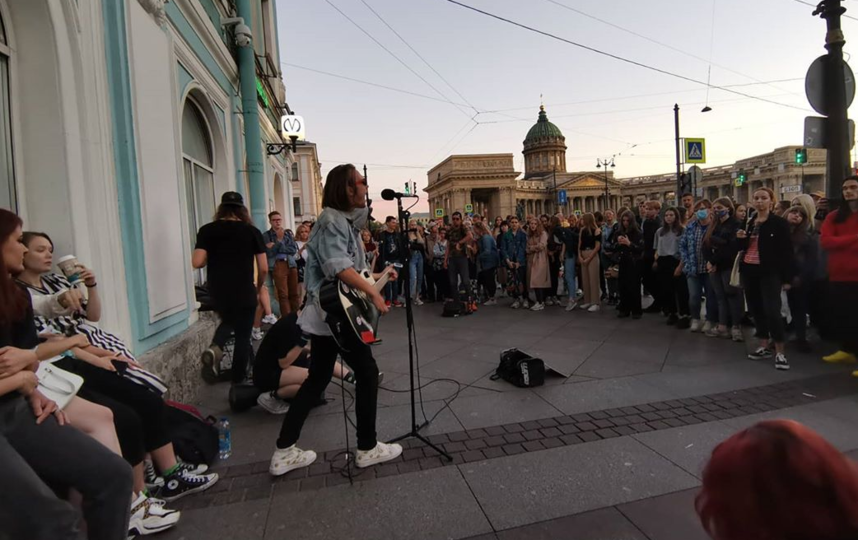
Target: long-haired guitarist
335 250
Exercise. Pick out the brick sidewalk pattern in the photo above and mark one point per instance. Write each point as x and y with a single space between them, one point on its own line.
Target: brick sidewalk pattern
252 481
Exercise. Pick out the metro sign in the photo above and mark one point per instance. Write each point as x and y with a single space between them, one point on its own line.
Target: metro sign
292 126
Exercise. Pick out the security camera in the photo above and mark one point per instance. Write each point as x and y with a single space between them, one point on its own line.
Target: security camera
243 35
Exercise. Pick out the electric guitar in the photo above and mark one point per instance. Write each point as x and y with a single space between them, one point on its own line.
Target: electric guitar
351 310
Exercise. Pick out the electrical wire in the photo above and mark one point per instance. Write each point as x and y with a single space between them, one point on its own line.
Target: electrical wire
380 44
815 6
618 57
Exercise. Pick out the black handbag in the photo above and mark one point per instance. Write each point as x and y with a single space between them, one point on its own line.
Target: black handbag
521 369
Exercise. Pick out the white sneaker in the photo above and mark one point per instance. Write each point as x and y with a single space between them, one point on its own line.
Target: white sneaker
525 304
695 325
149 517
381 453
516 305
538 306
781 362
707 327
491 302
584 306
418 302
256 334
289 459
594 308
269 319
571 305
271 403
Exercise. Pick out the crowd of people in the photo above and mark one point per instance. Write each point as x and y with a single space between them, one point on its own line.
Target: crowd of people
709 266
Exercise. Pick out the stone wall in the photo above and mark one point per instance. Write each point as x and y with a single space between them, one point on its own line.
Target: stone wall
177 361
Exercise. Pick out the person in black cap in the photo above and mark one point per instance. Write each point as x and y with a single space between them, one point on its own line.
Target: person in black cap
228 248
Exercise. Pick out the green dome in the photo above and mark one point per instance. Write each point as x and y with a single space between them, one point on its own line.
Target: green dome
542 128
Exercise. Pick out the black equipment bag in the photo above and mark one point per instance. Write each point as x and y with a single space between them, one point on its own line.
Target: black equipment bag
453 308
195 438
520 369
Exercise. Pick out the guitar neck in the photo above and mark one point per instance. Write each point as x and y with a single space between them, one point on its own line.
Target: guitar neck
382 281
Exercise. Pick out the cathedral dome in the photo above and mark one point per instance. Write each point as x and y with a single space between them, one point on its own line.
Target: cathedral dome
542 129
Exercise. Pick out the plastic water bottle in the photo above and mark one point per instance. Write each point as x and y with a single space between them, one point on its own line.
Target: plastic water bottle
224 439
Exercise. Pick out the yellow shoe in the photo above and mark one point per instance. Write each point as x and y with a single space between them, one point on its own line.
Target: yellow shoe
840 357
855 373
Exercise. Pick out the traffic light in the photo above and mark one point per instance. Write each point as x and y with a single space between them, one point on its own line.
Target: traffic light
407 189
800 156
741 178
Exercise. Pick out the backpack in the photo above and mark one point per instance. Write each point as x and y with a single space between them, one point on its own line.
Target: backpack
194 437
453 308
520 369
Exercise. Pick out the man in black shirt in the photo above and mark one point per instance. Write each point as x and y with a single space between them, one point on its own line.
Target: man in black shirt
230 247
651 225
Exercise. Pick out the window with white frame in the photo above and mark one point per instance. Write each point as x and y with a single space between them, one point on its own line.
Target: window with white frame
198 164
295 172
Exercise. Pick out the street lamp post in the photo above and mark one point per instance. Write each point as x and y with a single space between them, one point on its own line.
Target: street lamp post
605 163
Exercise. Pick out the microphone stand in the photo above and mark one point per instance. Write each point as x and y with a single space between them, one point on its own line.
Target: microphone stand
404 217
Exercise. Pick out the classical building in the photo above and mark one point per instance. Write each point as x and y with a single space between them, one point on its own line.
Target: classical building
490 183
306 184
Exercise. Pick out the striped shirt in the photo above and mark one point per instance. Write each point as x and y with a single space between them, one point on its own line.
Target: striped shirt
74 323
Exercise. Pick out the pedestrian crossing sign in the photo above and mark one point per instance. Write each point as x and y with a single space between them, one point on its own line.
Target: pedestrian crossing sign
469 208
439 212
695 150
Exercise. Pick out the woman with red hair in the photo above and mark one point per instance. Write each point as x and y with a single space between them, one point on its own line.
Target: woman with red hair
779 480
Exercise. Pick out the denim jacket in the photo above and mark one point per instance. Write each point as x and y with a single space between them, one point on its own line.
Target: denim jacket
513 247
282 250
334 245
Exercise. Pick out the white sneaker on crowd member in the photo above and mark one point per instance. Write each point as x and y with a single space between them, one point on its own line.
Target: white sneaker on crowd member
594 308
418 301
707 327
271 403
736 334
525 304
571 304
289 459
695 325
256 334
381 453
584 306
516 304
148 517
538 306
781 362
491 302
269 319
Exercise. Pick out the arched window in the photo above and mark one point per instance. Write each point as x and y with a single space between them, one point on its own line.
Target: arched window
8 193
199 172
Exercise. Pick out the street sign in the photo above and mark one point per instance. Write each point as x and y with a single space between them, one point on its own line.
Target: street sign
561 196
292 126
439 212
791 189
814 85
814 132
695 150
699 192
577 212
469 208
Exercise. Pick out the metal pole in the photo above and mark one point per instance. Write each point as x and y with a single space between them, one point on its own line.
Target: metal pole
678 155
837 127
606 188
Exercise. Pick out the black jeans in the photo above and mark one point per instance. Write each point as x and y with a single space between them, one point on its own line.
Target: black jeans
630 288
673 289
763 293
324 356
798 299
487 280
554 269
457 267
237 320
34 457
440 284
842 299
650 281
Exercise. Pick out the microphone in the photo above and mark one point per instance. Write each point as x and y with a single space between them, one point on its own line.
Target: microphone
389 195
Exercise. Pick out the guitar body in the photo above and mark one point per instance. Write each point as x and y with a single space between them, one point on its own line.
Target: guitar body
349 310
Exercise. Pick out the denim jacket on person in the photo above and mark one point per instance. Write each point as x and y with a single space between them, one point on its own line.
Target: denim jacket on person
334 245
282 250
691 248
488 256
513 247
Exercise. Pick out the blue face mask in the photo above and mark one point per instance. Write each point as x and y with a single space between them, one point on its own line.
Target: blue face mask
721 213
702 213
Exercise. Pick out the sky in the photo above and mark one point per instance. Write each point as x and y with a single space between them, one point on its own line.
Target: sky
466 83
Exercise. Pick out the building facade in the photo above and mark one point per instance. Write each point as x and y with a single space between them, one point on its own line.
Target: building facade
306 184
491 185
121 123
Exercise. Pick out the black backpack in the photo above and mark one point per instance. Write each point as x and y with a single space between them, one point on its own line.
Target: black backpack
195 438
454 308
520 369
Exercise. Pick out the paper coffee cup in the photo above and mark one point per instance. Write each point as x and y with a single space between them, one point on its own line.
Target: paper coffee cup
70 268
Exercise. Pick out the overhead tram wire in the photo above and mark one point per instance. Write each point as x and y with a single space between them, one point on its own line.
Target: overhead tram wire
814 6
620 58
377 42
660 43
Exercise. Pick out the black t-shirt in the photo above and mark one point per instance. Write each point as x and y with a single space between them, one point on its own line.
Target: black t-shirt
231 247
20 334
588 239
279 340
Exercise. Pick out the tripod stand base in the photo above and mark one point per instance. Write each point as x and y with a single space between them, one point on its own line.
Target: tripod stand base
413 433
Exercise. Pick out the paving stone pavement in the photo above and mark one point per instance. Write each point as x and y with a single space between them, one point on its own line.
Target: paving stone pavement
612 451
